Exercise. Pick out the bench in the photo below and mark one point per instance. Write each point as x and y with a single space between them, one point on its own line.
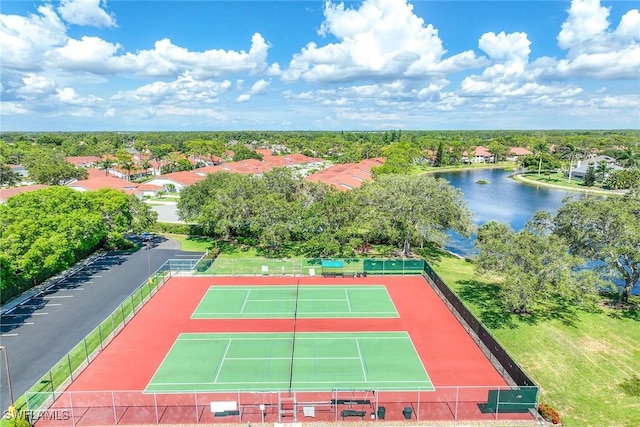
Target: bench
351 413
332 274
350 402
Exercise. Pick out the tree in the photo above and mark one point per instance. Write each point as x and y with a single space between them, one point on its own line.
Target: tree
602 169
498 150
607 232
105 164
535 266
629 157
569 151
412 208
241 152
47 168
540 149
590 176
7 176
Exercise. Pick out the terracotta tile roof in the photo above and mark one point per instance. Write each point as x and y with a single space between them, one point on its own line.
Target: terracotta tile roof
346 176
98 180
82 160
520 151
6 193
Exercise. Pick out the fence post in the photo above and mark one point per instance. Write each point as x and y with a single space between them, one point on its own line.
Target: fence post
155 406
70 368
100 336
115 413
197 415
53 390
455 414
86 351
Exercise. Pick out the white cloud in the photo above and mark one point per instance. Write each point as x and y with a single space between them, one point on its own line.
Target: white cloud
382 39
245 97
185 90
86 12
594 49
260 87
25 39
503 47
89 54
95 55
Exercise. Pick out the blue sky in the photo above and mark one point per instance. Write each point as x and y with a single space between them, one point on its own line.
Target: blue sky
319 65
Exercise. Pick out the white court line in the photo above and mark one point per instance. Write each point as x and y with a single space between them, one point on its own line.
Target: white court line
246 298
226 350
298 337
346 295
8 335
364 371
296 358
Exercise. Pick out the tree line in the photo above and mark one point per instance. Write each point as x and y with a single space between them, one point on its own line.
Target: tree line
587 247
44 232
283 214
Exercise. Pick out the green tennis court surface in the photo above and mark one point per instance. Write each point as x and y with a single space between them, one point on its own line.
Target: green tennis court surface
263 362
268 302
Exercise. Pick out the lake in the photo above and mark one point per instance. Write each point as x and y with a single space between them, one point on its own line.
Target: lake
503 199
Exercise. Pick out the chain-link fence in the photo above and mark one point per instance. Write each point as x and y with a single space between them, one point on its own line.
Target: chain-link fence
136 407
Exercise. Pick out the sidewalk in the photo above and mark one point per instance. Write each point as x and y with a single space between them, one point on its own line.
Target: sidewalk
37 290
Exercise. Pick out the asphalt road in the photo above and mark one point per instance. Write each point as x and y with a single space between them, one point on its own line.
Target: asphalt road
38 333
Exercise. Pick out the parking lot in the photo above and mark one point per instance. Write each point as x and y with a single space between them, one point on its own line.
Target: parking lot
41 330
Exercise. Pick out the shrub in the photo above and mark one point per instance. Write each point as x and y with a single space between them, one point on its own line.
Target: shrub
549 413
631 386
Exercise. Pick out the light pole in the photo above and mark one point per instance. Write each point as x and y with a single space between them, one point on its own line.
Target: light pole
149 257
6 364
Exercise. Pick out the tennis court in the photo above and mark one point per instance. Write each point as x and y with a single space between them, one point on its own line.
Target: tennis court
269 302
284 361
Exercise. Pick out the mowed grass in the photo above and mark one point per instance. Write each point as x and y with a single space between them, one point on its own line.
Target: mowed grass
582 360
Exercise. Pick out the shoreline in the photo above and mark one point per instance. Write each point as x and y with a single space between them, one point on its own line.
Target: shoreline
519 176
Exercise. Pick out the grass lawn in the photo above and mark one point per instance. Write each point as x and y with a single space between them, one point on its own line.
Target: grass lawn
582 360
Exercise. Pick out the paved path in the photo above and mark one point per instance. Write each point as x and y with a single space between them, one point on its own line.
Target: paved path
41 330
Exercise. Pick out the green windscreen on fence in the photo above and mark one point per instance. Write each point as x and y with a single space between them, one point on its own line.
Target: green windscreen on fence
394 266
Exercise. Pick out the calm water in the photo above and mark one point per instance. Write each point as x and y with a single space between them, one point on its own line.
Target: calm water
503 199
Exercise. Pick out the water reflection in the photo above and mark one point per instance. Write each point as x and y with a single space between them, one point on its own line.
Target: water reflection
502 199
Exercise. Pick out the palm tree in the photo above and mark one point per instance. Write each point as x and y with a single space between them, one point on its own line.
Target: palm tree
569 151
629 157
105 164
602 169
540 148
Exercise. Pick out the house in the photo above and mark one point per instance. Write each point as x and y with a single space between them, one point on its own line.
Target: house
581 169
516 153
346 176
480 155
7 193
83 161
98 180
